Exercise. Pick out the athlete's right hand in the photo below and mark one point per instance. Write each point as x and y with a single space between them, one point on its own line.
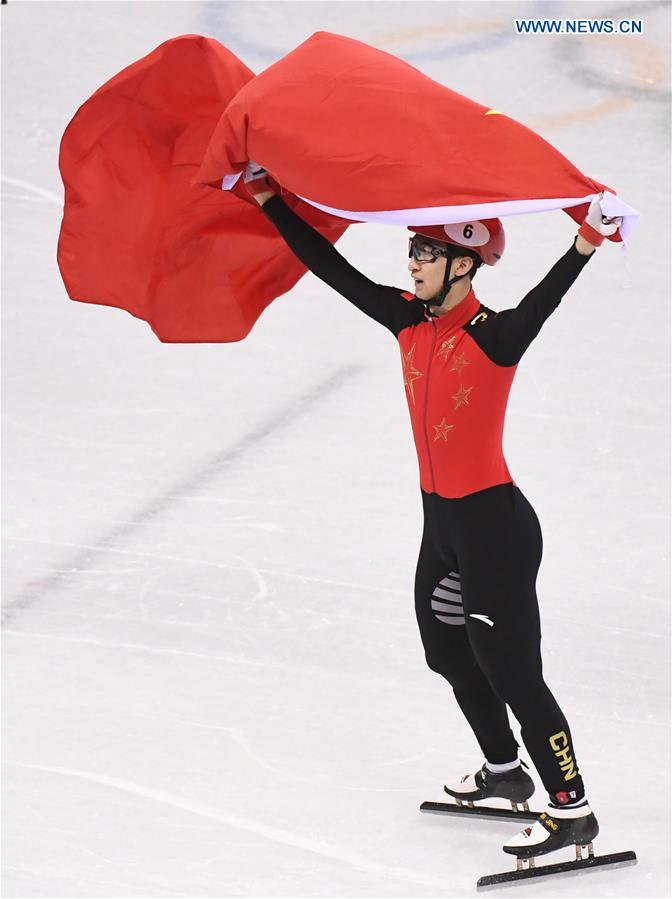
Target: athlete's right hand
258 182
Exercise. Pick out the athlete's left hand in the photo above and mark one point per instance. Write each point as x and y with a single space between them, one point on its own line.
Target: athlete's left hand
256 179
596 226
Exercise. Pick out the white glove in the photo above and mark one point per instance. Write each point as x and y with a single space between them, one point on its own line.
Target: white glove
596 226
253 172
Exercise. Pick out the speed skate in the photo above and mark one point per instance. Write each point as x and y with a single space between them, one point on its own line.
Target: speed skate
526 867
550 830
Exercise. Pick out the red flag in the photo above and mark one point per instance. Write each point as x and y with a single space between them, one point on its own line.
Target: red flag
353 133
198 265
363 135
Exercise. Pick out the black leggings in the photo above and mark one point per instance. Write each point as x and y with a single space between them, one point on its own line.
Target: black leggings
476 605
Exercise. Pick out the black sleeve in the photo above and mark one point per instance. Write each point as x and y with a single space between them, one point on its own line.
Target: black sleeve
386 305
504 336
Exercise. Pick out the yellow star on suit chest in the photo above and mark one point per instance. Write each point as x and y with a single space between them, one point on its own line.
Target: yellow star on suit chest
462 396
411 373
459 362
447 347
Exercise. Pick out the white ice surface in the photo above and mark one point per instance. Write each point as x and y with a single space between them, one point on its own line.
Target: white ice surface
213 683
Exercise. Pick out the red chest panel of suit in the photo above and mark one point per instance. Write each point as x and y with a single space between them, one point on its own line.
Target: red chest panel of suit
457 398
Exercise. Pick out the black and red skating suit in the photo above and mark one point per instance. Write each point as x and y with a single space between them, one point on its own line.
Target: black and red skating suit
457 395
457 367
475 585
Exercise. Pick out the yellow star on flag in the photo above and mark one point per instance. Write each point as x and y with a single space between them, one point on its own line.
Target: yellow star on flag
411 373
458 363
462 396
441 430
447 347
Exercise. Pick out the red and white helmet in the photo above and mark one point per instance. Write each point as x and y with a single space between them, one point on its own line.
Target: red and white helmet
485 237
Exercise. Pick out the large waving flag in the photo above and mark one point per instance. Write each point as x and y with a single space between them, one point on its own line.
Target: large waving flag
197 265
363 135
352 133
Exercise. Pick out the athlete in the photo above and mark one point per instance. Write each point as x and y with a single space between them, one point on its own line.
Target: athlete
475 595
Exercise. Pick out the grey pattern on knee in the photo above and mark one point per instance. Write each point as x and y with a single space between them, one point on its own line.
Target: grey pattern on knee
447 601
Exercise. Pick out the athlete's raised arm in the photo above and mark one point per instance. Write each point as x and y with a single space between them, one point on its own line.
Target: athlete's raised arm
513 330
386 305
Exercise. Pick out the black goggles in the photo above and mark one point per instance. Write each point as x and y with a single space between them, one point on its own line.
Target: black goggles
423 251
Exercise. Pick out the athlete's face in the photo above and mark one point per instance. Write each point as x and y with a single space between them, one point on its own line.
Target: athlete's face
428 276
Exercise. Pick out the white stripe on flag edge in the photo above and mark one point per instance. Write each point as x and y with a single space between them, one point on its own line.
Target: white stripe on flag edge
611 205
229 181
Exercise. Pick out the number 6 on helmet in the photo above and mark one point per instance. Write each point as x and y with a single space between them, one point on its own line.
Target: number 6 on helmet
485 237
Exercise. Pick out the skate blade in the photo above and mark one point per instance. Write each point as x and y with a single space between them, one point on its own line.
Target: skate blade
615 860
478 811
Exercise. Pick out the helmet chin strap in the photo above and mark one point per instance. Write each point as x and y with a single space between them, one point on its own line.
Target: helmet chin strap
443 293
